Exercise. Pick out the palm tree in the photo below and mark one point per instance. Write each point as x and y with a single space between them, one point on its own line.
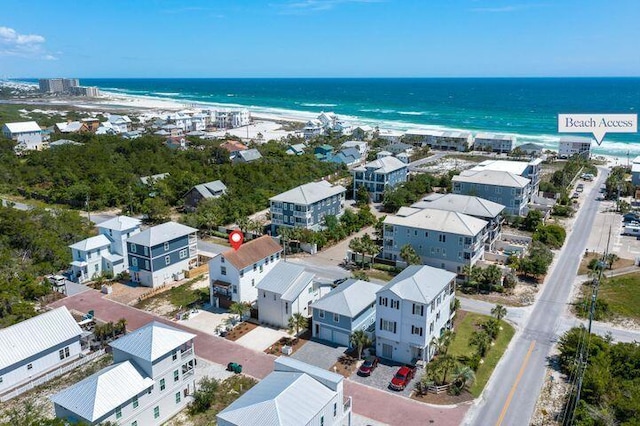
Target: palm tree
358 247
285 234
297 322
492 275
409 255
360 340
455 304
611 259
442 343
444 364
240 309
121 325
492 327
463 376
481 340
499 312
369 247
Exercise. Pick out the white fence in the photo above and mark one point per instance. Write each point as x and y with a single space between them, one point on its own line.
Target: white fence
50 375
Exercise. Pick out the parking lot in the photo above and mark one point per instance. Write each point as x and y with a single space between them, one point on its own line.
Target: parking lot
381 376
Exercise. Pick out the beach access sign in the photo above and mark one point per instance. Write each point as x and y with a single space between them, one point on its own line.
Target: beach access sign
598 124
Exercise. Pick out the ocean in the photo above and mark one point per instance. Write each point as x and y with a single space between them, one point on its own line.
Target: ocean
526 107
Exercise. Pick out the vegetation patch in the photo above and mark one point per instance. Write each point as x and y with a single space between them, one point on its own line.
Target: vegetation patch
240 330
587 260
617 297
179 297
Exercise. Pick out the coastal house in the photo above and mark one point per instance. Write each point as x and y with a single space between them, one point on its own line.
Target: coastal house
152 378
399 148
574 145
181 120
71 127
323 152
530 170
104 253
92 123
440 140
379 175
390 135
412 310
295 393
443 239
229 118
362 132
214 189
635 173
150 180
286 290
306 205
382 154
36 346
312 128
27 134
347 156
233 147
247 156
361 146
493 142
121 123
502 187
347 308
63 142
532 149
472 206
235 274
162 253
296 149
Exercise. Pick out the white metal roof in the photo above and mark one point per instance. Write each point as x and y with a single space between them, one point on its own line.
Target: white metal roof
515 167
23 127
161 233
575 139
349 298
103 391
635 168
383 165
419 283
152 341
309 193
91 243
287 280
495 137
466 204
35 335
492 177
441 221
211 189
120 223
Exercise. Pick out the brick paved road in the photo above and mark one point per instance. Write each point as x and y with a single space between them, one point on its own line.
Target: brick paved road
375 404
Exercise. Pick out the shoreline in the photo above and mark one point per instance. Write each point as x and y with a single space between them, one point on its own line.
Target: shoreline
615 151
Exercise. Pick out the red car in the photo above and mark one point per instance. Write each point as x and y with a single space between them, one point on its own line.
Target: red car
402 378
370 364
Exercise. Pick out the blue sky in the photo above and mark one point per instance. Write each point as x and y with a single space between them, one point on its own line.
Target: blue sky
319 38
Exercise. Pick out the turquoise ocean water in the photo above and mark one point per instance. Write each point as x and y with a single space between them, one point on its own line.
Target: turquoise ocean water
526 107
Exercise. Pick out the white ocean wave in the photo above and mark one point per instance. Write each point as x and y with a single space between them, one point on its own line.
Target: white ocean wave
166 93
413 113
318 105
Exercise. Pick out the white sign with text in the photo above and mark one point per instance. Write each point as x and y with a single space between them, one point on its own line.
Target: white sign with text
598 124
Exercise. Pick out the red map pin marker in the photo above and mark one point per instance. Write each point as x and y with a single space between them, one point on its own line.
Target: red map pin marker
235 239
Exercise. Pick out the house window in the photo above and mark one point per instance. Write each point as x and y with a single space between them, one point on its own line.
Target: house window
95 268
388 325
176 375
223 270
322 421
162 384
255 266
437 316
29 366
234 289
264 294
135 401
383 301
310 290
418 309
166 246
63 353
146 264
426 235
183 253
1 379
132 248
335 409
416 330
241 273
175 355
146 251
134 261
253 282
336 317
286 307
167 260
442 238
177 397
320 313
395 304
261 268
156 412
118 412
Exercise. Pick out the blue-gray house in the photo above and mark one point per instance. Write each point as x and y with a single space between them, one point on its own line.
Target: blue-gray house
379 175
349 307
160 254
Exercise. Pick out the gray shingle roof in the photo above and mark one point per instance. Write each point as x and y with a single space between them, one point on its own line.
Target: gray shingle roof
440 220
420 284
466 204
152 341
161 233
103 391
34 335
211 189
287 280
349 298
309 193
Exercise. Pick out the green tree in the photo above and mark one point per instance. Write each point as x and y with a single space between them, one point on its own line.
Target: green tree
156 210
441 344
359 339
481 340
369 247
240 309
499 312
463 376
532 220
204 395
491 327
357 246
362 196
409 255
297 322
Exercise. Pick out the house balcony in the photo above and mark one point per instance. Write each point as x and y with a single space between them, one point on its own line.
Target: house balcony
186 353
346 406
276 210
305 215
187 374
193 239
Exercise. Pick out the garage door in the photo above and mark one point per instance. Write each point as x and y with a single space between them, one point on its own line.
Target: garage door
325 333
341 338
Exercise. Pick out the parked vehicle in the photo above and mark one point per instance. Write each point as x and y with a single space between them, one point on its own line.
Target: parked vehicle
56 280
402 378
370 364
339 281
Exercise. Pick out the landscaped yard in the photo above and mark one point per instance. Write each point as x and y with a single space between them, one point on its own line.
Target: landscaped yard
620 263
465 324
240 330
623 295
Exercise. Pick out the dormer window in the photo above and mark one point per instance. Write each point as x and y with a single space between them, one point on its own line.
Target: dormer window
166 246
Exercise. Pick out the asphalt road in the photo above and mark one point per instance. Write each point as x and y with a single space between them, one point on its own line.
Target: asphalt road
512 392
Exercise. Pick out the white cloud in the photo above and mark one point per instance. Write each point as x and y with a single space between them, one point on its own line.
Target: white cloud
504 9
13 43
306 6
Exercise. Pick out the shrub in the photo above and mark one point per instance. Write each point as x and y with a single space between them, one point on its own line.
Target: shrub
550 235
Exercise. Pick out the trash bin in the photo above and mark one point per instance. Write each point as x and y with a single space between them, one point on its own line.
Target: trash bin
235 367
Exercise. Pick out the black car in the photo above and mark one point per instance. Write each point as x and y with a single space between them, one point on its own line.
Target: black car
339 281
370 364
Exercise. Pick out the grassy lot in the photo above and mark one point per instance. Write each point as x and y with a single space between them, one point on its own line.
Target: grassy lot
180 296
620 263
623 295
379 275
460 346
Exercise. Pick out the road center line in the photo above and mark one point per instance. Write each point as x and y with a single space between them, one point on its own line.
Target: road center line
515 384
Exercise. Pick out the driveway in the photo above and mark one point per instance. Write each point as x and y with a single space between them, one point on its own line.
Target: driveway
260 338
319 353
75 288
207 320
381 376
